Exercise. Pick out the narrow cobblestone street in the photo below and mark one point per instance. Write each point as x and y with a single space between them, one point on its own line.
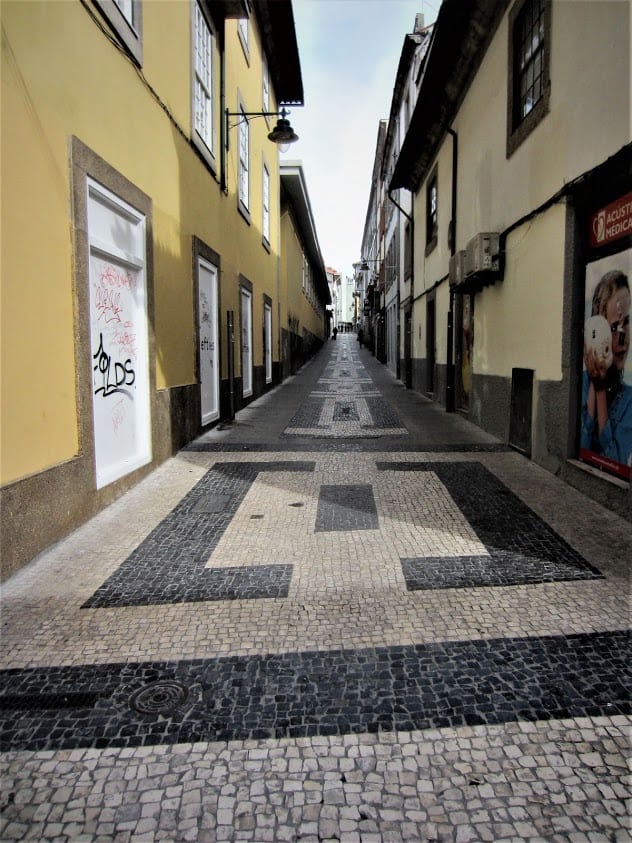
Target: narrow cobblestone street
345 616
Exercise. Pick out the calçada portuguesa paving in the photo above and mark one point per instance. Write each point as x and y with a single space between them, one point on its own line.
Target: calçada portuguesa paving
346 616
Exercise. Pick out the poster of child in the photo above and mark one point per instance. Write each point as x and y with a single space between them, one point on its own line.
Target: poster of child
606 409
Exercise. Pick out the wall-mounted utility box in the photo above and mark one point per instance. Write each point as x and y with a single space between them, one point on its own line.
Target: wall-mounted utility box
482 253
457 268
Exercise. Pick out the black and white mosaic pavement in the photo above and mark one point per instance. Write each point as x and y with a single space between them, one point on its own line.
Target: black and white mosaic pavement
169 566
345 403
521 548
368 643
343 507
316 693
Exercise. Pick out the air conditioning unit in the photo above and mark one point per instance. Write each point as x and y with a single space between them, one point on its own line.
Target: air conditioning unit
457 268
482 253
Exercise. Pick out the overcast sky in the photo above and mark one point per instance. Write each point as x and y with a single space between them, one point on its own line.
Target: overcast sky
349 52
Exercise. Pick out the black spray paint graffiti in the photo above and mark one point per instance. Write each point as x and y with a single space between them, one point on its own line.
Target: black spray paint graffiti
114 377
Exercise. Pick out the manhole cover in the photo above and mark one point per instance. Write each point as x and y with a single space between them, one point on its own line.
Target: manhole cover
161 697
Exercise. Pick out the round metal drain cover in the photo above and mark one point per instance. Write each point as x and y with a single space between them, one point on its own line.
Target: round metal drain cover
161 697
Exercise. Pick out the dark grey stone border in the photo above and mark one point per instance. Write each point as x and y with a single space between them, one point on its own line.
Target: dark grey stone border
337 692
169 565
522 548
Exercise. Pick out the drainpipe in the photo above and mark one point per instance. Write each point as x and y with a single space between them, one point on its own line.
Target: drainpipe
223 128
450 403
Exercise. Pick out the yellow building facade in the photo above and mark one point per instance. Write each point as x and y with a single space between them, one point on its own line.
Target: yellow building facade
141 229
303 275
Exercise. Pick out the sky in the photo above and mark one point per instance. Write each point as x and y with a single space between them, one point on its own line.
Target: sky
349 52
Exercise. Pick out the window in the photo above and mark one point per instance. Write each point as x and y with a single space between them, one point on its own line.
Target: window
265 86
266 205
392 261
244 162
127 9
125 18
529 54
408 252
243 35
203 50
528 76
431 213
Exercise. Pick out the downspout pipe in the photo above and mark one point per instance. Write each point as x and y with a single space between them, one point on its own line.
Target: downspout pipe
450 402
223 127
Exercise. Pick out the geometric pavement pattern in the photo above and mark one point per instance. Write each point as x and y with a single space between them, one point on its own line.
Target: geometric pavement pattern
492 540
345 403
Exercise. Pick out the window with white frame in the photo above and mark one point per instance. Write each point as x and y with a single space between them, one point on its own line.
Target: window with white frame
127 10
204 49
265 85
244 161
432 227
126 19
265 223
243 34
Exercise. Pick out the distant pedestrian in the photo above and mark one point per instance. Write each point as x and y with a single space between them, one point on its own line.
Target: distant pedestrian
360 337
334 333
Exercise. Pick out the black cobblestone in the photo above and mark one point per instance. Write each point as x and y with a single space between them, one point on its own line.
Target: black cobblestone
346 411
522 548
169 565
346 507
308 414
328 692
383 414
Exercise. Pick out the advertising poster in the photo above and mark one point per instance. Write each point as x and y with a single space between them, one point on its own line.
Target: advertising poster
606 404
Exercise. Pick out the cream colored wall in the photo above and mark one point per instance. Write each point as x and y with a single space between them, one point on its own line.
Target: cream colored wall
62 77
436 263
589 117
517 321
590 99
431 270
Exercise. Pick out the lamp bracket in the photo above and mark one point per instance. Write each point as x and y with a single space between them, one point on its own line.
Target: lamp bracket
244 117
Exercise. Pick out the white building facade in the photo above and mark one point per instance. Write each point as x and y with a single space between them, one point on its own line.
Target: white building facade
517 158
